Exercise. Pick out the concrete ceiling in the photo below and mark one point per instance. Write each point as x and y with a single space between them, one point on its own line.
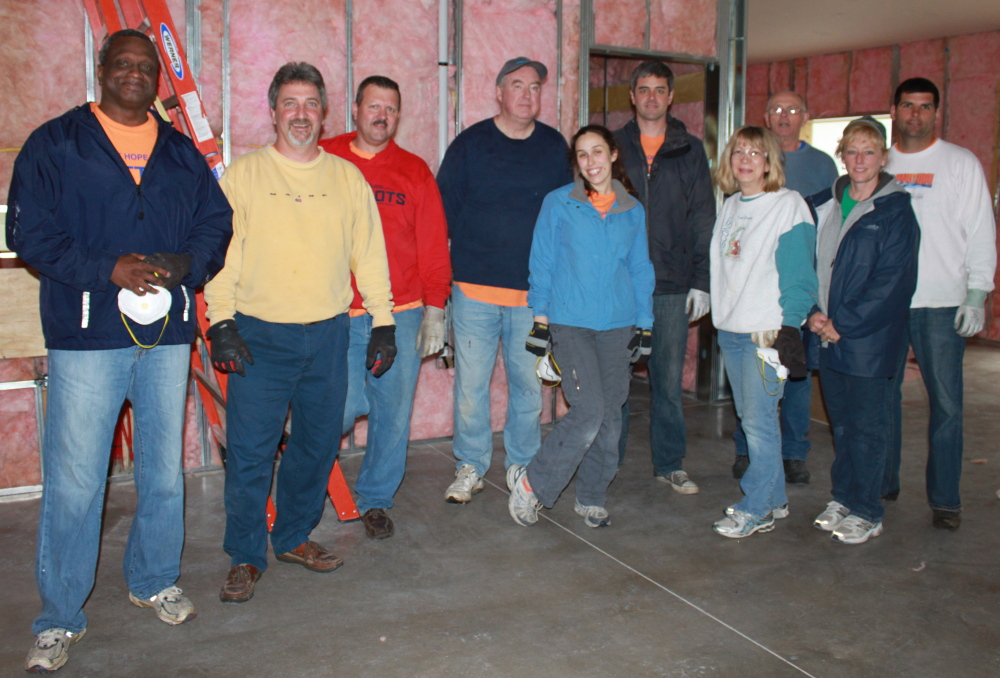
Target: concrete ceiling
784 29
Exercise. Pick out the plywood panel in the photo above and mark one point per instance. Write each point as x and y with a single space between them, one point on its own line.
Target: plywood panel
21 329
871 80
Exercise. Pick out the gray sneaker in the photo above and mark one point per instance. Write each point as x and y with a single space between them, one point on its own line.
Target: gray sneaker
593 516
779 512
831 517
511 474
522 504
170 604
856 530
467 482
679 481
51 650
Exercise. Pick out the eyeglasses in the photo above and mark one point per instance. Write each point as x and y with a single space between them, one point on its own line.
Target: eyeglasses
751 153
778 110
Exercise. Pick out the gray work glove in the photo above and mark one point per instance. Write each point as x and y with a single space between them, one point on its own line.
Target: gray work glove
971 316
698 304
177 265
430 336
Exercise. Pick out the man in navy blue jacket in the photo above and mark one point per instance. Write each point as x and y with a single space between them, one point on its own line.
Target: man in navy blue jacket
493 180
108 203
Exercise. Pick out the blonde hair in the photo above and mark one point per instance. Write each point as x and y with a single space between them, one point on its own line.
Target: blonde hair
861 129
758 137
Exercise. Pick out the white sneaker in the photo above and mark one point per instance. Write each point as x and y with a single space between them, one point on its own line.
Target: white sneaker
593 516
511 472
522 504
741 524
778 512
831 517
855 530
51 650
679 481
171 605
467 482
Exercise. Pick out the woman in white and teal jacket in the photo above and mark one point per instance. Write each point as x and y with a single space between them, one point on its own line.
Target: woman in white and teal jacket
590 287
763 282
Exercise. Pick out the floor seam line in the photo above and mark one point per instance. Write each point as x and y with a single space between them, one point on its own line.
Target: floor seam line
652 581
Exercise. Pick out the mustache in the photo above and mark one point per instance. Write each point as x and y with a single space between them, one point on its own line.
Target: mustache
300 121
383 122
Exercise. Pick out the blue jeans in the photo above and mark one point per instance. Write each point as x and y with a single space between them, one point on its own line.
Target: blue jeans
667 429
304 366
939 351
585 442
859 416
795 417
478 328
756 392
388 402
85 395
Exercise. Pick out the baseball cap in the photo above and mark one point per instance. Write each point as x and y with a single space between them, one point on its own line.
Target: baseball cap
520 62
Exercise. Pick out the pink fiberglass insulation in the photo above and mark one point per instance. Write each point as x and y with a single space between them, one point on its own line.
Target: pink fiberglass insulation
756 93
971 98
683 26
494 32
620 23
828 85
923 59
42 73
399 40
801 76
871 80
210 77
19 459
779 76
263 37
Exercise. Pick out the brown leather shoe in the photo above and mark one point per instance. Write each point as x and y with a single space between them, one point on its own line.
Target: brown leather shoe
238 587
377 524
312 556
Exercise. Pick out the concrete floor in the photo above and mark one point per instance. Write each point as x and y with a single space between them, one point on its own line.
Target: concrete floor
463 591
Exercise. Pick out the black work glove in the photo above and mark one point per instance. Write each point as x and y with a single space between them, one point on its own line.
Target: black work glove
641 346
539 339
381 349
791 351
178 265
228 350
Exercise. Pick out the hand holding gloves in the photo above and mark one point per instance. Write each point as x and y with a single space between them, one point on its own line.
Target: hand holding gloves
641 346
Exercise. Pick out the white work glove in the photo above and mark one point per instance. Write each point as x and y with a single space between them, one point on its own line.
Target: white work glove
698 304
764 338
430 336
971 316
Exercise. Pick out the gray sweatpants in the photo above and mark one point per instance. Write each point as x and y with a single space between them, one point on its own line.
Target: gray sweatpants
595 380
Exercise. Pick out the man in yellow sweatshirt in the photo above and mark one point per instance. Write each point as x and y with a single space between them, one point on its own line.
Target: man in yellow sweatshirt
303 221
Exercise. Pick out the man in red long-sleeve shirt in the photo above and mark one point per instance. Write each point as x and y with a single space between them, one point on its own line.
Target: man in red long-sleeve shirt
416 240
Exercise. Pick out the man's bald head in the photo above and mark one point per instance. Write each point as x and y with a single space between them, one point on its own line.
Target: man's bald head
785 115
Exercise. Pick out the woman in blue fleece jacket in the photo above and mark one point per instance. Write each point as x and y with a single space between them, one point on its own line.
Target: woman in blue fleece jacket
590 286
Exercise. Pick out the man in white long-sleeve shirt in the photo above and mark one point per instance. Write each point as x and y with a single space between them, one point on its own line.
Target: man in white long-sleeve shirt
957 261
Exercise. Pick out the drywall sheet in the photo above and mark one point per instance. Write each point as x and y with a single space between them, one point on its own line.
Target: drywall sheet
827 91
871 80
495 32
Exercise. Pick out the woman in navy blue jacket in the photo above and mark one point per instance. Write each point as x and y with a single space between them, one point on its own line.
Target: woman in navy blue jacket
590 286
867 268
